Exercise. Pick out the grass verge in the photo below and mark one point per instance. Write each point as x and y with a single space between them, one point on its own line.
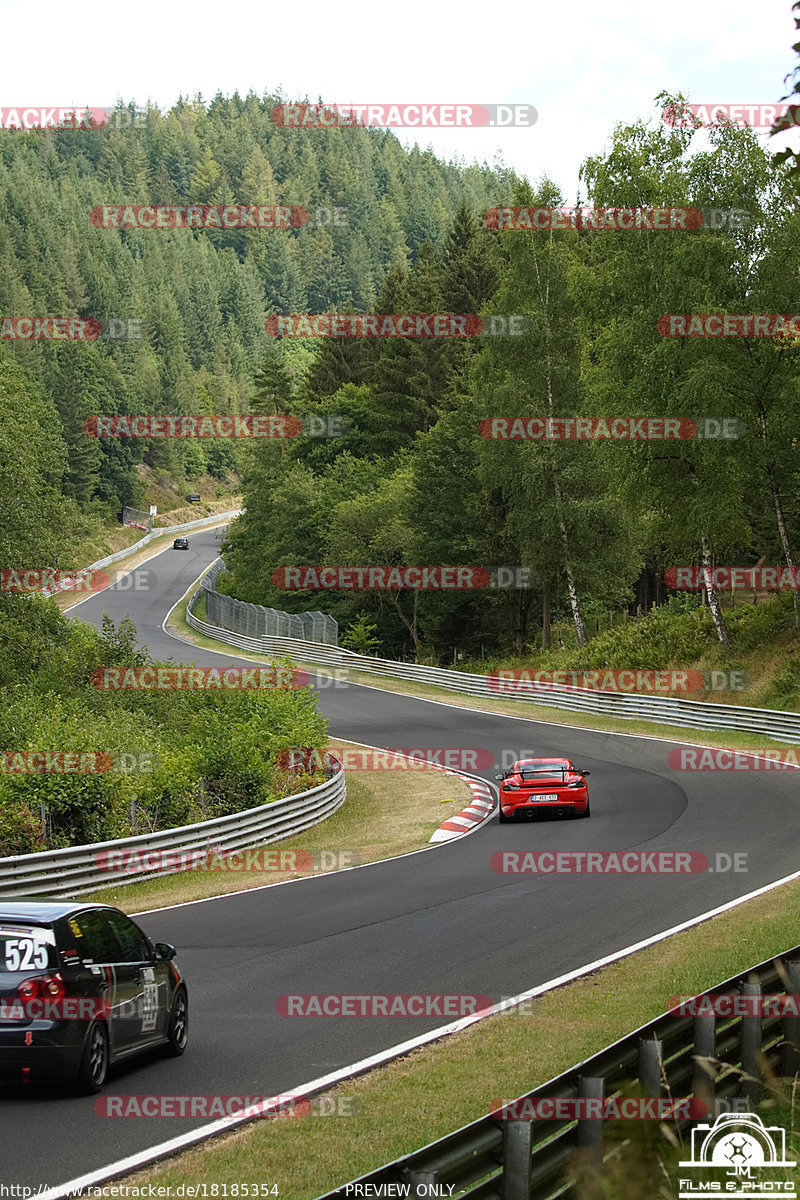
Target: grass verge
723 739
136 558
434 1090
386 813
110 539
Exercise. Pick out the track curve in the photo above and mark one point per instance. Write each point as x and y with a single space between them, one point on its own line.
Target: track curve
436 921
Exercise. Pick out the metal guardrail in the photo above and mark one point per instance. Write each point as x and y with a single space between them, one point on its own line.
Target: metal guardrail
77 869
662 710
671 1057
157 533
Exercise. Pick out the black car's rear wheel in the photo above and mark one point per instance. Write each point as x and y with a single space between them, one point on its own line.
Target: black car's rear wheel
178 1028
93 1070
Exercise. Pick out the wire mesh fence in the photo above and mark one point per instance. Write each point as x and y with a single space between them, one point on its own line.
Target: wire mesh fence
256 620
137 518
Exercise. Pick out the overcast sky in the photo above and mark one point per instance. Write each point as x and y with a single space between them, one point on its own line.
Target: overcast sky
584 66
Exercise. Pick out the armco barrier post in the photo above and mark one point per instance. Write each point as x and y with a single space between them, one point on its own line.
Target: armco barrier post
589 1136
651 1066
790 1065
704 1036
751 1047
478 1144
517 1159
417 1178
78 869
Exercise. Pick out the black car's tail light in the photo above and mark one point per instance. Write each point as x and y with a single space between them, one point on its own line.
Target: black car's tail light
42 987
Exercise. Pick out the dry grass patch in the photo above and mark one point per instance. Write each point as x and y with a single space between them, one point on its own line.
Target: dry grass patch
437 1088
723 739
386 813
115 571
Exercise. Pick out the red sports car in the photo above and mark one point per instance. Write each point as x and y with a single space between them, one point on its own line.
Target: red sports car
553 786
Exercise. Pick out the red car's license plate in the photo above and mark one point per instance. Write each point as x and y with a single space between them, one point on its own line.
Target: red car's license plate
548 796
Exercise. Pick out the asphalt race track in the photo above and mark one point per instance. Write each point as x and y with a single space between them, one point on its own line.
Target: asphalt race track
438 921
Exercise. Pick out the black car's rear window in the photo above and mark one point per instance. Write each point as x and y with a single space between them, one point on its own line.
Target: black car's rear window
26 947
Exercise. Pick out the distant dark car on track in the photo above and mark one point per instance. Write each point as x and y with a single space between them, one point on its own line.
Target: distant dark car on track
180 544
537 786
82 988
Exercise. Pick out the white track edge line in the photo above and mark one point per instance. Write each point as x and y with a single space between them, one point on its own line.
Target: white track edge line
487 712
165 1149
424 699
174 1145
136 566
323 874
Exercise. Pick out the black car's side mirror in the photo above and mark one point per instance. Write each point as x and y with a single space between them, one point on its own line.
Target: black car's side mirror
164 951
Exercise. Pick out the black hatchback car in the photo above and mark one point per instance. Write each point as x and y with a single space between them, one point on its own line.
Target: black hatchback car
81 988
180 544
